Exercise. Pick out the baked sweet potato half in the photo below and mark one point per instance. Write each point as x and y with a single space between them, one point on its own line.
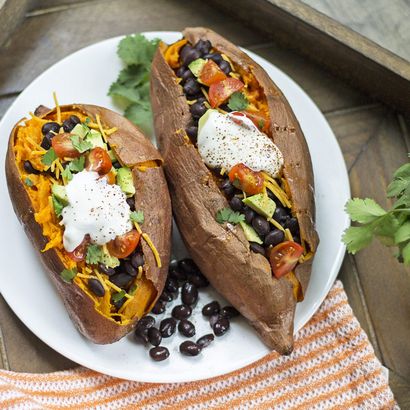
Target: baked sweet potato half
90 192
240 178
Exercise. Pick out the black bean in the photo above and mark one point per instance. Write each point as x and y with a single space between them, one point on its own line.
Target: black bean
137 259
68 125
50 126
159 353
146 322
236 204
203 46
159 307
280 214
261 225
118 303
188 266
180 71
28 167
191 87
292 225
165 296
198 109
122 280
186 328
199 280
192 132
213 319
189 348
211 308
131 203
181 312
178 274
227 188
171 285
221 326
249 215
189 294
106 270
173 264
116 165
141 335
189 54
74 119
201 99
229 312
187 75
129 268
154 336
225 67
206 340
46 141
255 247
274 237
96 287
214 56
168 326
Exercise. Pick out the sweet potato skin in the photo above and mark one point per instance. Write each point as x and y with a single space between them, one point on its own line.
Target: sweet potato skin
80 307
222 252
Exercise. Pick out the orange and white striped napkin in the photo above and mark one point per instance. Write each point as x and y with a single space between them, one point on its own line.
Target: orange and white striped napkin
333 366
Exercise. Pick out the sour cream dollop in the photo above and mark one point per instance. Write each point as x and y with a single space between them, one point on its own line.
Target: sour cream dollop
225 140
95 208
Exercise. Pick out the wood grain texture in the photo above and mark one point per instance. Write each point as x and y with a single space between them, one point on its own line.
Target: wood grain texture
12 13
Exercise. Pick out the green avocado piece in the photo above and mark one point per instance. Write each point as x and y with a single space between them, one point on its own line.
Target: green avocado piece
250 233
113 158
204 118
110 261
196 66
261 204
125 181
60 193
80 130
96 140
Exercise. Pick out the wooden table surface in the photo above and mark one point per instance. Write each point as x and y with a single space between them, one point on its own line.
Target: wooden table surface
374 139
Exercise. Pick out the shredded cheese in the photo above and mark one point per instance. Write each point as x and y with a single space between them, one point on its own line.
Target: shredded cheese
57 107
101 279
140 271
116 288
276 224
153 249
288 235
101 128
137 227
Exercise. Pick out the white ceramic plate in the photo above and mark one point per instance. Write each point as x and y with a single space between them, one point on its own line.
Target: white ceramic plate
84 77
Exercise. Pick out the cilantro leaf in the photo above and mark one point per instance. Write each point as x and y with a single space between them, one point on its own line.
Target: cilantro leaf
238 102
77 164
66 174
116 297
228 215
58 206
49 157
137 216
405 252
403 233
140 114
357 238
137 49
28 182
68 274
79 144
94 254
364 210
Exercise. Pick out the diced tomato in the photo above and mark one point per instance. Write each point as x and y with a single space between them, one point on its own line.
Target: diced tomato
219 92
78 254
98 160
260 119
246 179
284 257
211 73
63 146
123 245
110 177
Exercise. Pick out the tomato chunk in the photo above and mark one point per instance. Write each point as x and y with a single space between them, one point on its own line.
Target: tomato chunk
98 160
219 92
260 119
78 254
284 257
123 245
211 73
63 146
246 179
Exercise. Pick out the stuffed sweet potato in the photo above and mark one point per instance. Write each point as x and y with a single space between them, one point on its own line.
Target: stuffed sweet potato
240 178
91 194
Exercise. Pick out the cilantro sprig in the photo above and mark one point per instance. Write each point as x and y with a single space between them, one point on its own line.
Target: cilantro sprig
238 101
94 254
391 227
68 274
80 144
228 215
137 216
49 157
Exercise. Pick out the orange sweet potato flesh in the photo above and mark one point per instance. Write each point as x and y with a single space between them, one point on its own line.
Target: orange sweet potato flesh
131 148
221 252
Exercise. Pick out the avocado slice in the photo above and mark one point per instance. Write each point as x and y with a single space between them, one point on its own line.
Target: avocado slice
196 66
80 130
96 140
110 261
113 158
261 204
250 233
125 181
60 193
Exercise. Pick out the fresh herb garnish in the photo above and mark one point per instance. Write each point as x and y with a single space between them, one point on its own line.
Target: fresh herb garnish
58 206
87 120
68 274
131 89
77 164
391 227
94 254
28 182
238 102
132 290
261 124
228 215
137 216
49 157
66 174
116 297
79 144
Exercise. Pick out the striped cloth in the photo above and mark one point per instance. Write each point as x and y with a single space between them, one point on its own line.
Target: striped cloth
333 366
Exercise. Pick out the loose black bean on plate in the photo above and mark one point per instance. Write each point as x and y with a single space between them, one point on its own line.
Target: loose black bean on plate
221 326
255 247
168 326
229 312
171 285
166 296
159 353
189 348
159 307
181 312
199 280
274 237
146 322
213 319
211 308
28 167
141 335
106 270
50 127
206 340
186 328
188 266
261 225
96 287
189 294
154 336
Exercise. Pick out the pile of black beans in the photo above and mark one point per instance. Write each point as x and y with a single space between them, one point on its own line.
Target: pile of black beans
185 279
190 85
